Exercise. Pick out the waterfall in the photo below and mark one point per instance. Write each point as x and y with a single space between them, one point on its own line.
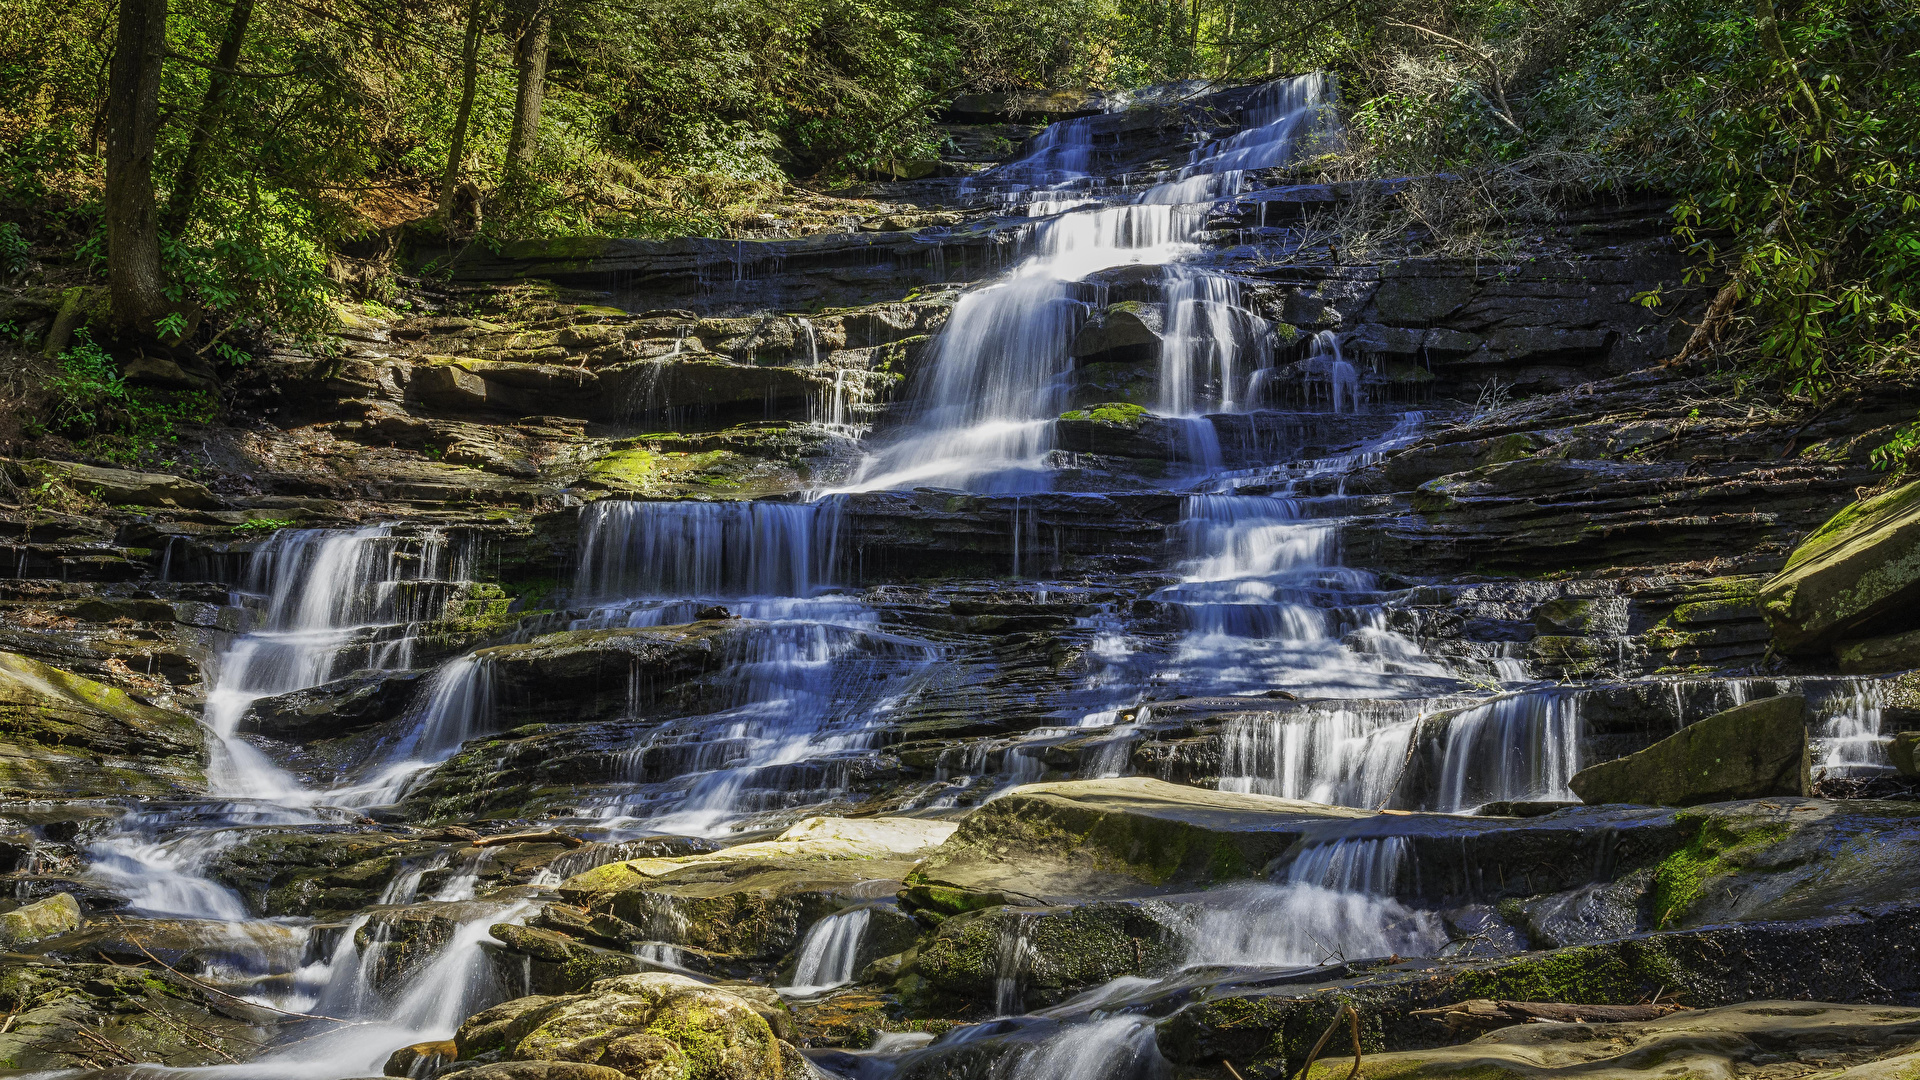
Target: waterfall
1345 756
1514 748
337 601
456 705
828 953
1518 747
1336 904
634 549
1115 1048
1000 370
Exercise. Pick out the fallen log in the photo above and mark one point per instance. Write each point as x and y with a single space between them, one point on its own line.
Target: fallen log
1484 1013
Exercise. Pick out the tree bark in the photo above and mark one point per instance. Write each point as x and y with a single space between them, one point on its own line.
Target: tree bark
469 74
530 57
186 185
134 280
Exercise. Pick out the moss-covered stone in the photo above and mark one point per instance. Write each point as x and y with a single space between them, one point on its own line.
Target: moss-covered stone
68 736
651 1025
1856 574
1760 748
1112 412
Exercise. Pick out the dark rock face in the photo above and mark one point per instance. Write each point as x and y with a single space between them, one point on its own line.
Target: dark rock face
1753 750
341 707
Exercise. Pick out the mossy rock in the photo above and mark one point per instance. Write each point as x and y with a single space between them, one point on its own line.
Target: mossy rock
67 736
1757 749
1858 575
1124 413
653 1024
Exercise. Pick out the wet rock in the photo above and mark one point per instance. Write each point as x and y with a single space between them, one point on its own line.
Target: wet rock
557 964
1110 837
655 1024
584 675
1756 749
340 707
72 737
84 1016
121 487
1131 327
1269 1028
421 1059
543 1070
1904 750
56 914
1018 959
320 873
1856 575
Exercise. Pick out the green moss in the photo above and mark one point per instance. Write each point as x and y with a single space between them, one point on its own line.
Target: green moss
1112 412
1589 975
1718 848
1853 520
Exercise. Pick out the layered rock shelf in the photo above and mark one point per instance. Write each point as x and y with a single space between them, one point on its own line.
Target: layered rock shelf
1072 621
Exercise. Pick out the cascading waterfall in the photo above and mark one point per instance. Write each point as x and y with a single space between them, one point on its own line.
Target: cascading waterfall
999 371
639 549
1518 747
828 953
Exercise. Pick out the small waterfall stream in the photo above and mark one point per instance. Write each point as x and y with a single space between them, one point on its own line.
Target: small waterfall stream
1334 700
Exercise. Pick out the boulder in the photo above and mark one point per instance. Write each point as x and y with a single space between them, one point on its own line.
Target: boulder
421 1059
542 1070
71 737
1875 656
1035 956
1133 326
1130 836
57 914
1905 752
119 487
1856 576
654 1024
1749 751
579 676
340 707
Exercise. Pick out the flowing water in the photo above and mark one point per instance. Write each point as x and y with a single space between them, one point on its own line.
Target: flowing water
1339 704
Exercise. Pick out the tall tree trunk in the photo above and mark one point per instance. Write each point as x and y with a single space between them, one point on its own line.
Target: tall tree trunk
134 280
530 57
186 186
469 74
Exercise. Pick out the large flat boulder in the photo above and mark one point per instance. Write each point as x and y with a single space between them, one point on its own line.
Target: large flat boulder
1746 752
1856 576
67 736
122 487
1051 843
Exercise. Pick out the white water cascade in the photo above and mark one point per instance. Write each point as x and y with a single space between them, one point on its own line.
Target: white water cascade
828 954
999 372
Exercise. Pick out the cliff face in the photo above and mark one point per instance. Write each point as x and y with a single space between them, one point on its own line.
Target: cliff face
483 625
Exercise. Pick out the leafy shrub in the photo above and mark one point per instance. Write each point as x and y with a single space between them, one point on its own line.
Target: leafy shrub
92 403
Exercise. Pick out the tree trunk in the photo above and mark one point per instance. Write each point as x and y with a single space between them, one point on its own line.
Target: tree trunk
134 281
530 57
469 74
186 186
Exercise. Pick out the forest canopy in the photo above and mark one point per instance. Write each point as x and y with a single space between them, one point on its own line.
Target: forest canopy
283 131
